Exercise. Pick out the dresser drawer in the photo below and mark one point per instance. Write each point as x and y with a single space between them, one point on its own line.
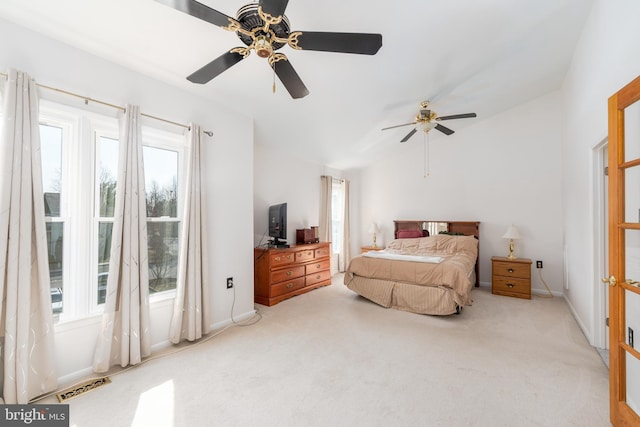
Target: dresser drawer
322 252
318 277
511 269
317 266
511 287
284 258
287 274
288 286
306 255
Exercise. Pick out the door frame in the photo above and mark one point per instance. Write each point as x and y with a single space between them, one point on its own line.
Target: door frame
621 414
601 245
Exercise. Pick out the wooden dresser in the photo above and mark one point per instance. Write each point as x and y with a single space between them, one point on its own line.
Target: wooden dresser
511 277
281 273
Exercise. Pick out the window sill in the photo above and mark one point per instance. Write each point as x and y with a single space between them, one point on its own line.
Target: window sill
156 301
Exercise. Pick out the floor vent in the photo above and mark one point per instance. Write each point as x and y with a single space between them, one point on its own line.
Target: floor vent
81 388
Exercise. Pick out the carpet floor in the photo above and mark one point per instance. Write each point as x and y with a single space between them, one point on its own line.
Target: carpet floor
332 358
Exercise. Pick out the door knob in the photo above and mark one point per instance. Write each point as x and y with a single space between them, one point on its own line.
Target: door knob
611 280
632 283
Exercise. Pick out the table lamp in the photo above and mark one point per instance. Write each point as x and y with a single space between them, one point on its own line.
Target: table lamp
511 234
374 229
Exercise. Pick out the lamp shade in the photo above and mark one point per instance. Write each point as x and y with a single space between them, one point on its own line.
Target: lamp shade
512 233
374 228
426 126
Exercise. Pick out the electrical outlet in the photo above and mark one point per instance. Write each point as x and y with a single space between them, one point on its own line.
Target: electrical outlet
229 282
630 337
538 264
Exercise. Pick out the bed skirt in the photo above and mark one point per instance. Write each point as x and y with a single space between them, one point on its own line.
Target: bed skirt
434 300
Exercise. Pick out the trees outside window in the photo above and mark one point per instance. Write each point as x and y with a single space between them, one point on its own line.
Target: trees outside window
80 170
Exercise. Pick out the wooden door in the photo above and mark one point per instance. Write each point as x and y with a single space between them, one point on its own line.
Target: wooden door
624 255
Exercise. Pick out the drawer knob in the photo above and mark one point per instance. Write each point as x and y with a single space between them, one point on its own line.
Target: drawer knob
289 285
318 266
288 256
289 273
510 285
318 276
510 270
278 258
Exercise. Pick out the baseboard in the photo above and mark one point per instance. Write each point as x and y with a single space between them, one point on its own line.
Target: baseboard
82 374
74 377
584 329
236 318
546 292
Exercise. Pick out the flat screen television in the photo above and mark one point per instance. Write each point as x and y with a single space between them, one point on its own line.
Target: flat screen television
278 225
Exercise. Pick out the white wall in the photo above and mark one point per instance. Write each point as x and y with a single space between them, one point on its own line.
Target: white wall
280 177
501 170
605 60
229 185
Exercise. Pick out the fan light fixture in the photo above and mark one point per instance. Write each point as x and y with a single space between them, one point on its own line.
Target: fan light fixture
427 119
426 126
511 234
264 28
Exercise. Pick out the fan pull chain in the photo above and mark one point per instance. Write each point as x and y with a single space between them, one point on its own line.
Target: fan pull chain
426 155
273 88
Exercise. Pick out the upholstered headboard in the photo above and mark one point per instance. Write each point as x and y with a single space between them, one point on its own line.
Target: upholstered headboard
420 228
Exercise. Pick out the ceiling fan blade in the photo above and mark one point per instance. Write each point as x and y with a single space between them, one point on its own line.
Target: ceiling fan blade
290 79
458 116
199 10
409 135
274 7
444 130
215 67
361 43
397 126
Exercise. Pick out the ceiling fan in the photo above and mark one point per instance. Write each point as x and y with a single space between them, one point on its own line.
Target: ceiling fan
263 27
427 119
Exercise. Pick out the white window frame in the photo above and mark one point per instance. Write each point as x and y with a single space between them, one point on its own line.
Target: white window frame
337 228
157 138
78 202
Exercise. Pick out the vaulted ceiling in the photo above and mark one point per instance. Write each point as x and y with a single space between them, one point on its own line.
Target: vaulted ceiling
482 56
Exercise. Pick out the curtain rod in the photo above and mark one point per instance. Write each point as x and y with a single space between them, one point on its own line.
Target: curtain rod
97 101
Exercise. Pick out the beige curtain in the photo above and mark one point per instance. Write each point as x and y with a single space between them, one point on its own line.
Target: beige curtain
324 228
26 321
191 317
345 255
124 336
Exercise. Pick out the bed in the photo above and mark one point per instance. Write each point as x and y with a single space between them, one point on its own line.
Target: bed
430 267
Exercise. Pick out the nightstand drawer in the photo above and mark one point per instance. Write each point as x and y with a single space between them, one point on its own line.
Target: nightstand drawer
513 287
511 269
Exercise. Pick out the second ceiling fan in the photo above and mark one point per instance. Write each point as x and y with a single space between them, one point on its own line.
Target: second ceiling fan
427 119
263 27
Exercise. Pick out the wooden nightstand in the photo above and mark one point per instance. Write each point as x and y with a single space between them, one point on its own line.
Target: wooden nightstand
511 277
364 249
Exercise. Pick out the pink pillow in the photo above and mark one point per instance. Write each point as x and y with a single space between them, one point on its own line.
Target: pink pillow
409 234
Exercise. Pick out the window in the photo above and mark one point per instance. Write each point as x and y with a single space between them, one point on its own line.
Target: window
161 186
107 176
337 215
51 138
79 212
